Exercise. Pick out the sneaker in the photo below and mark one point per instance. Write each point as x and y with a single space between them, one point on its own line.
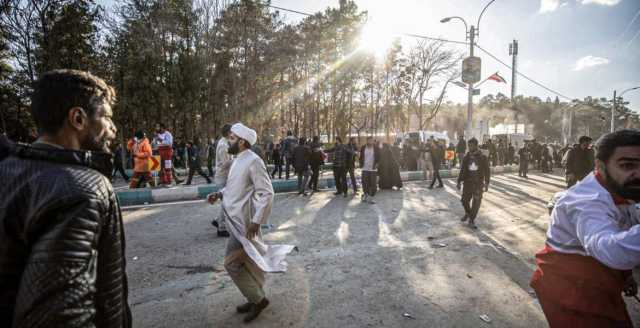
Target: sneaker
255 310
472 225
215 224
440 186
464 218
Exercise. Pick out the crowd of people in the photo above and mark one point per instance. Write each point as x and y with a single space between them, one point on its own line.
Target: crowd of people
62 247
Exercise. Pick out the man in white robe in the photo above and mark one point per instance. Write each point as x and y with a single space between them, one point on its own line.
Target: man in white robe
246 202
223 163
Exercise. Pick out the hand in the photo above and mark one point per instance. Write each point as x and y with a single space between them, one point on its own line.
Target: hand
253 230
213 197
630 287
458 186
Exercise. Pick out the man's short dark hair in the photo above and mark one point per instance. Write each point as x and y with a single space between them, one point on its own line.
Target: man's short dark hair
584 139
473 141
56 92
608 143
162 125
226 129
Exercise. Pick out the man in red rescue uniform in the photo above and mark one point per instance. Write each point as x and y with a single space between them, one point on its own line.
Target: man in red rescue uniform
593 241
164 140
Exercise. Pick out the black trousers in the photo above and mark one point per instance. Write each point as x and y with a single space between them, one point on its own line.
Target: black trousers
369 182
315 175
340 176
472 198
352 174
210 166
277 167
436 175
120 169
303 179
288 166
524 168
196 169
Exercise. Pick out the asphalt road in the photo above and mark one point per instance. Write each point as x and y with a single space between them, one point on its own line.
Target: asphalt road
406 261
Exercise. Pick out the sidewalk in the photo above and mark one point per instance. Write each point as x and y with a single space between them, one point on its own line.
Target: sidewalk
146 196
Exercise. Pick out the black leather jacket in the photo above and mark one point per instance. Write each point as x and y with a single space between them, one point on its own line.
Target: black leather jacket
62 260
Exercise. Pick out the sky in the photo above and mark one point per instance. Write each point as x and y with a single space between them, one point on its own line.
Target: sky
578 48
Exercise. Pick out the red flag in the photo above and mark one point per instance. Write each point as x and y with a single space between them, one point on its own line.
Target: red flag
496 77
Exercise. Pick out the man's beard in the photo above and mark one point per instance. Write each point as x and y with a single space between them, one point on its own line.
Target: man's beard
97 143
627 190
234 148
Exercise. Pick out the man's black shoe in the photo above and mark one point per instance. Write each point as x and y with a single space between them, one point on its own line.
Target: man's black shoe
215 223
337 193
256 309
244 308
222 233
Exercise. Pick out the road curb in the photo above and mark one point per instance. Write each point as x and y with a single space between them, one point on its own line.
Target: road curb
174 194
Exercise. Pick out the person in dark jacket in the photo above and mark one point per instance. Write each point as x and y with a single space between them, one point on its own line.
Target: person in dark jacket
351 163
524 156
437 154
211 156
340 155
475 174
193 152
580 161
117 163
389 168
276 155
288 145
317 160
301 159
369 159
62 247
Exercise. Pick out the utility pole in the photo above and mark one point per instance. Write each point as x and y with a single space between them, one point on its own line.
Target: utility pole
613 113
513 52
472 39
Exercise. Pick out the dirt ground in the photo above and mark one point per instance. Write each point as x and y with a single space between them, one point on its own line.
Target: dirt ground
406 261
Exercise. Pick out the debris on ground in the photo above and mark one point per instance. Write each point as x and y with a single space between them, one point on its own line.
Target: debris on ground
407 315
439 245
485 318
469 275
431 238
135 258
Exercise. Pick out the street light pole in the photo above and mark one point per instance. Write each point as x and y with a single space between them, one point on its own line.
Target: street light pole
472 38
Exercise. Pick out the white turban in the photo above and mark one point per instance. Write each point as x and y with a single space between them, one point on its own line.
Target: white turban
245 133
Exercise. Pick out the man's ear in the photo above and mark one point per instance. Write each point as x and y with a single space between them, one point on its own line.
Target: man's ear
77 118
600 166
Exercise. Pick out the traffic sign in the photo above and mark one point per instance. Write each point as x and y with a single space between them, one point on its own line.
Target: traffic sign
471 69
475 92
154 163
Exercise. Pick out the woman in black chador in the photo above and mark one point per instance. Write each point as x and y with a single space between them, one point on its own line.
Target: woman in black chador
388 169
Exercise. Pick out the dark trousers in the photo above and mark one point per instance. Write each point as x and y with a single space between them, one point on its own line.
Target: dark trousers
277 167
471 199
315 174
303 179
369 182
352 174
288 166
195 168
340 176
436 175
120 169
524 168
210 166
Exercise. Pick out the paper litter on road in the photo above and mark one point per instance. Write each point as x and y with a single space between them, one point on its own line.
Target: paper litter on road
408 316
485 318
439 245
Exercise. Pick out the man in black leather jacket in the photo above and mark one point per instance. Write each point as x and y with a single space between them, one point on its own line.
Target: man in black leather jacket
61 232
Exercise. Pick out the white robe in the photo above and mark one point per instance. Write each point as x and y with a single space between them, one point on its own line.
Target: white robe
247 198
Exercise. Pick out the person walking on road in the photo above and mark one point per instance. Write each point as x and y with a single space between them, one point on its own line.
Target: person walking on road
276 155
301 159
246 204
288 145
437 153
592 241
341 154
475 174
140 147
369 159
223 163
461 149
317 160
62 245
118 157
351 164
524 155
194 162
164 140
580 161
